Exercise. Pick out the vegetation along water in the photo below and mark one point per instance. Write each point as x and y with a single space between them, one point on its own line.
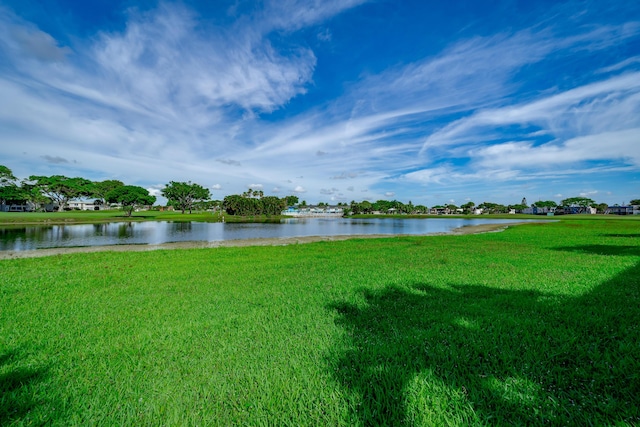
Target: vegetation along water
538 324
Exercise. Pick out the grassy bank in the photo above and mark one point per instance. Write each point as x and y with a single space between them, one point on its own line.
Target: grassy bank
93 217
538 324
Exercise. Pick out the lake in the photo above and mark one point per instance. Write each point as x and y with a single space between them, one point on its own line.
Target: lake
152 233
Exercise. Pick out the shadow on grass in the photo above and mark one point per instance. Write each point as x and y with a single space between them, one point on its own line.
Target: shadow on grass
15 397
632 235
478 355
626 250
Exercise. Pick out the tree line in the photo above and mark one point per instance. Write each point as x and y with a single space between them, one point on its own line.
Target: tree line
254 202
58 190
394 206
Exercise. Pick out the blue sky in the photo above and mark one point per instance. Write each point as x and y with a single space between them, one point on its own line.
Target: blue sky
333 101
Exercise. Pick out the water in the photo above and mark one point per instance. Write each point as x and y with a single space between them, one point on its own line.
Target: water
152 233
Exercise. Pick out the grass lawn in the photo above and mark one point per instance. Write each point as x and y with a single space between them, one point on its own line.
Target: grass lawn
92 217
539 324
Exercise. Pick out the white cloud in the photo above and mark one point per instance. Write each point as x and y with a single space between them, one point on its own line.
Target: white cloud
216 187
218 68
443 175
299 189
329 191
166 65
154 192
324 35
229 162
620 65
593 107
295 14
28 42
619 145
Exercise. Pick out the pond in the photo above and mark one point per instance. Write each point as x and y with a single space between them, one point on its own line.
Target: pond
152 233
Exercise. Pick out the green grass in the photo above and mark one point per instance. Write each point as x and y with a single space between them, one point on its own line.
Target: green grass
539 324
92 217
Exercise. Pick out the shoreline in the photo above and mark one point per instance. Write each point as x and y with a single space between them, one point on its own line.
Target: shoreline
38 253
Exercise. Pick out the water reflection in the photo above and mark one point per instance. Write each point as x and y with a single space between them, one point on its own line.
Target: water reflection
50 236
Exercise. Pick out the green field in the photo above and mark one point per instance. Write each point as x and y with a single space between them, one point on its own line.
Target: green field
539 324
92 217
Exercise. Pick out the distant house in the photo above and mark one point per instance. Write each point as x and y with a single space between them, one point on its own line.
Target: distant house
15 207
313 211
27 207
439 210
623 210
535 210
85 205
575 210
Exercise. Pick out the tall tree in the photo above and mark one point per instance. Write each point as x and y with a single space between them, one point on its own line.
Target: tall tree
421 209
545 204
468 207
635 202
582 202
233 204
366 206
12 193
102 188
130 197
6 176
452 208
291 200
9 191
240 205
493 208
272 205
33 195
518 208
183 195
60 189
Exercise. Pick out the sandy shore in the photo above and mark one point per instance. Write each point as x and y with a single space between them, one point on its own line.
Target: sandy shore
474 229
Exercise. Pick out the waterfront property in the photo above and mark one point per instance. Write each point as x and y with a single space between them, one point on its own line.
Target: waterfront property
624 210
314 211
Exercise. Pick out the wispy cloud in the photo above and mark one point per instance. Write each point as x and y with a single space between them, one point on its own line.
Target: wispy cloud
56 160
620 65
30 42
229 162
621 145
595 107
292 15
